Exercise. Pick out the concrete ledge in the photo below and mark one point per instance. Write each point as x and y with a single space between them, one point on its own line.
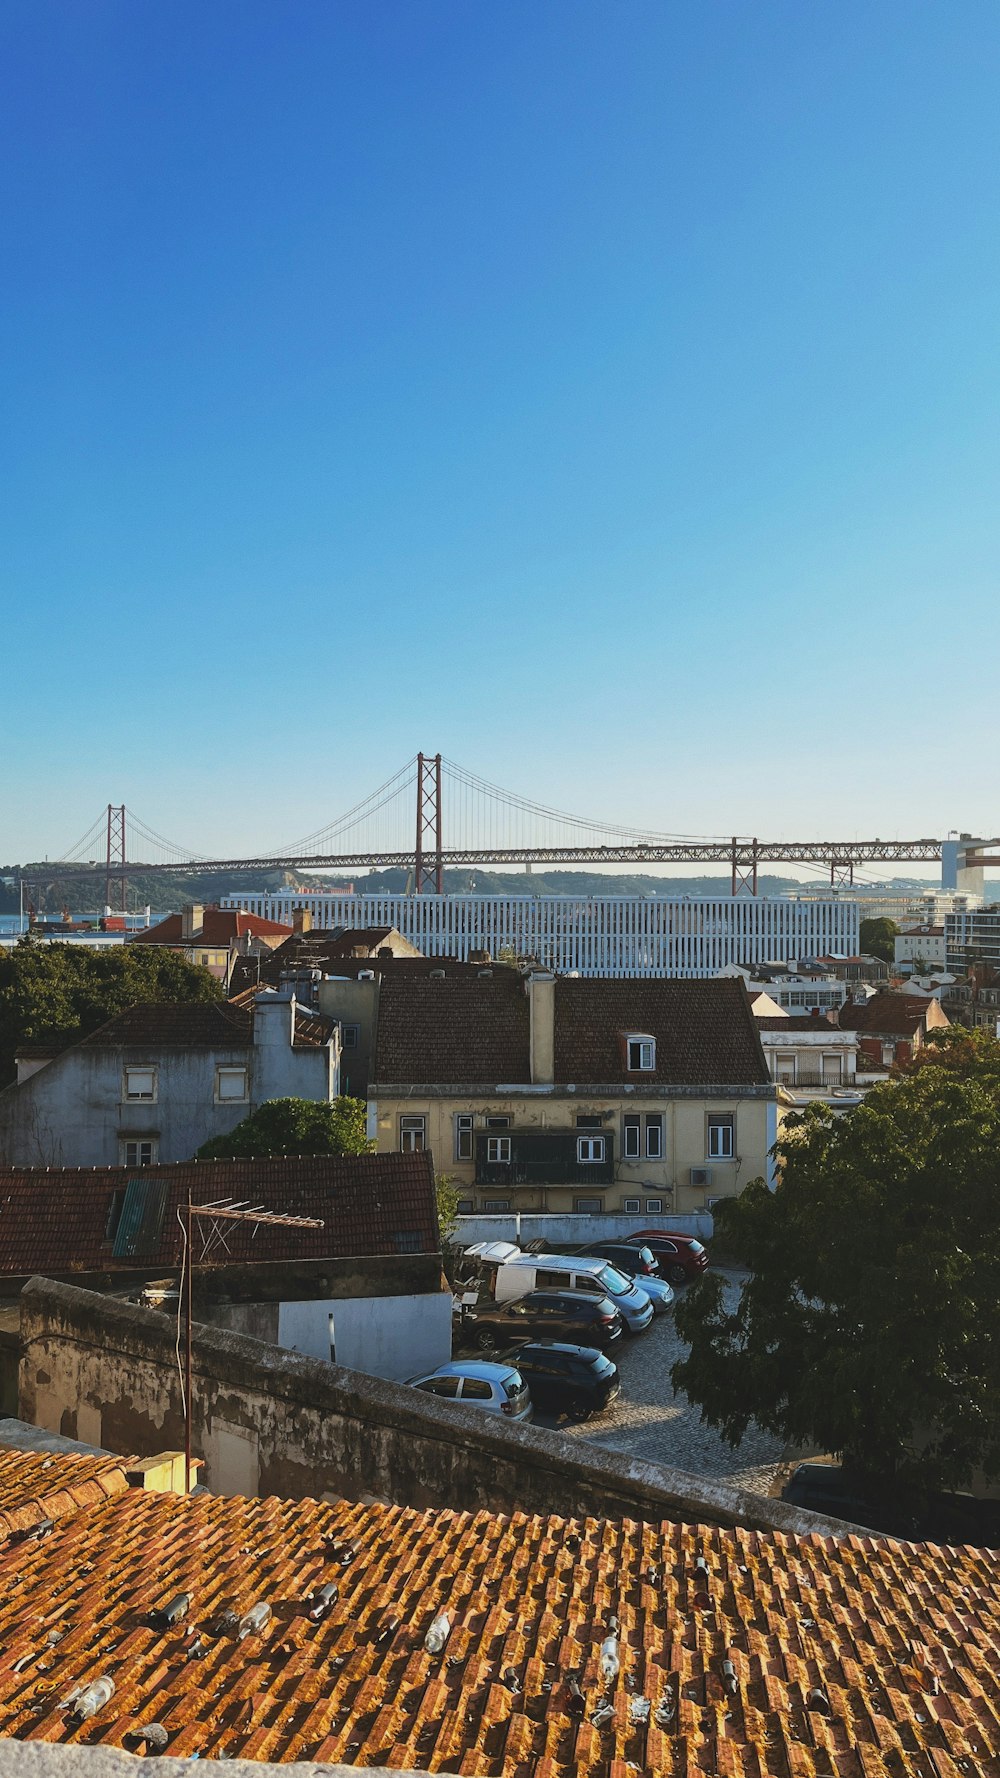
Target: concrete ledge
318 1428
51 1759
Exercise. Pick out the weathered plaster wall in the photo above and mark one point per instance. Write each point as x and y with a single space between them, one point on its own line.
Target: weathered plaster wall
270 1421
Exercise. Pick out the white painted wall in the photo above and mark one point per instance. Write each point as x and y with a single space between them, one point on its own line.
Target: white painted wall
387 1336
578 1230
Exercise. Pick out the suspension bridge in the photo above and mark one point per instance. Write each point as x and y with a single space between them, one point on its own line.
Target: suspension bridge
433 814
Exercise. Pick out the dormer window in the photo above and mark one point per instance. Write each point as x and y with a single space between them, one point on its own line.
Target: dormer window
641 1053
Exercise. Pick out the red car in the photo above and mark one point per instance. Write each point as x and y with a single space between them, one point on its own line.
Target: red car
680 1257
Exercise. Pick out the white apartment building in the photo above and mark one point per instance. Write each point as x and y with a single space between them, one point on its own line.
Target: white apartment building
603 935
921 944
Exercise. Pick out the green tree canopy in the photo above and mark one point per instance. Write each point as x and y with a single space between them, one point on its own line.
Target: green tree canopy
878 939
294 1126
58 993
870 1323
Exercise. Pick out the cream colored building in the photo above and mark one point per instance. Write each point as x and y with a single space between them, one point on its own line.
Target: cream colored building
594 1095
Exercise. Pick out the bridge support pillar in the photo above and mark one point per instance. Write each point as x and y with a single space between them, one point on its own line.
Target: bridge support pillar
743 861
115 886
428 875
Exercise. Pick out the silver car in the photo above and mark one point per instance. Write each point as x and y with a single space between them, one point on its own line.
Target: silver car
499 1388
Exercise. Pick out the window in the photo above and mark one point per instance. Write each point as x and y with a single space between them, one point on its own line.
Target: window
888 1054
589 1123
784 1066
721 1138
590 1150
631 1137
654 1206
588 1207
476 1389
465 1207
231 1084
832 1070
350 1036
498 1123
140 1153
497 1150
654 1137
140 1083
641 1054
497 1204
463 1136
631 1206
412 1134
444 1386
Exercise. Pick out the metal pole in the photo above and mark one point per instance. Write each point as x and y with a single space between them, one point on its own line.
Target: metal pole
188 1367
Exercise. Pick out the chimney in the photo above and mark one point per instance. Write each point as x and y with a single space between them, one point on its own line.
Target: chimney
192 919
274 1016
541 991
302 920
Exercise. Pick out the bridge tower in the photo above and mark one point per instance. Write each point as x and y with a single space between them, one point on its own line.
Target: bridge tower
115 884
428 875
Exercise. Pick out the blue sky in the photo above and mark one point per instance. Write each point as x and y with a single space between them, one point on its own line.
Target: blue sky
606 395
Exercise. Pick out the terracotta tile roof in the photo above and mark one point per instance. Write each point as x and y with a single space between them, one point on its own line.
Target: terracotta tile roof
779 1658
466 1029
55 1220
165 932
35 1486
895 1015
212 1025
220 926
706 1034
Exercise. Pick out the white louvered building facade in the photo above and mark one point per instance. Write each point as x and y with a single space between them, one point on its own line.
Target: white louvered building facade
612 935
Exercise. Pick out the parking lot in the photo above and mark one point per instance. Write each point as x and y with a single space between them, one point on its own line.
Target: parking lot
648 1420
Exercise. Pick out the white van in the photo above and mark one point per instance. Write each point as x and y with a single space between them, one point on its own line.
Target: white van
509 1273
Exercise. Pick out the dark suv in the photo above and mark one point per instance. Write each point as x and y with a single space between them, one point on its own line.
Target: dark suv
544 1314
573 1379
634 1260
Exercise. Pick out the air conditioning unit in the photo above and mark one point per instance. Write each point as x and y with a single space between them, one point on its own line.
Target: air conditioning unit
700 1176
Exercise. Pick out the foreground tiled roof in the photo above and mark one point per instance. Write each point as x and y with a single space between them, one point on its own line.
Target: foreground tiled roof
463 1029
705 1031
329 951
742 1654
35 1486
897 1015
55 1220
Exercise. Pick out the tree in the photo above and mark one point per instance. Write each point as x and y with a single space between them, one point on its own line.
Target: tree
446 1192
878 939
294 1126
59 993
870 1323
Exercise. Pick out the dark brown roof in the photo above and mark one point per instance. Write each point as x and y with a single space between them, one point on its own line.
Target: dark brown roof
705 1032
55 1220
466 1029
215 1024
474 1030
803 1023
891 1015
211 1025
330 952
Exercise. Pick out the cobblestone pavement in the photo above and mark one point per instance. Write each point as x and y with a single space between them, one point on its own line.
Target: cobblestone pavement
648 1420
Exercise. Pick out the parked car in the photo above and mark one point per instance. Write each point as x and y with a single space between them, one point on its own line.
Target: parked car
639 1264
499 1388
681 1258
576 1379
509 1273
942 1518
543 1314
636 1260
